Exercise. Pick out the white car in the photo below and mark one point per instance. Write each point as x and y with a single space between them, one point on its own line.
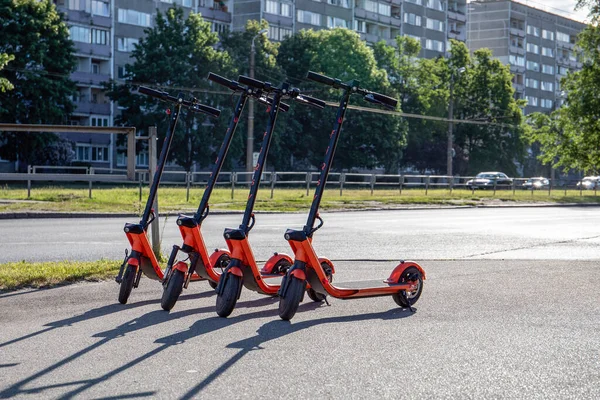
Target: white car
588 182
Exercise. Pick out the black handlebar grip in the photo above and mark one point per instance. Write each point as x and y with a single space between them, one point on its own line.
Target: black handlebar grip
246 80
389 101
151 92
223 81
213 112
313 76
313 101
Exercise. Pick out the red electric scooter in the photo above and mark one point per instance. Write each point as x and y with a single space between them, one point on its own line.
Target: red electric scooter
404 284
242 269
209 267
142 258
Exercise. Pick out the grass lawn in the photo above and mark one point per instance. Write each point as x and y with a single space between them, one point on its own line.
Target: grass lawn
126 199
17 275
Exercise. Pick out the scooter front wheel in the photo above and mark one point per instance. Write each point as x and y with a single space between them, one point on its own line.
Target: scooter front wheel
172 290
228 298
127 283
288 303
407 298
319 297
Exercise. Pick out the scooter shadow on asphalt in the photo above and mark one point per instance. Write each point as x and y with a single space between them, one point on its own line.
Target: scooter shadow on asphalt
277 329
145 321
97 313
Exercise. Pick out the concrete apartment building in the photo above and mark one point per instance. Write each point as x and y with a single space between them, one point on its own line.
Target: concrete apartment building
538 46
105 32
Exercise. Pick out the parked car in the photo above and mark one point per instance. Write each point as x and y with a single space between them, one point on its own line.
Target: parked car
588 183
485 180
536 183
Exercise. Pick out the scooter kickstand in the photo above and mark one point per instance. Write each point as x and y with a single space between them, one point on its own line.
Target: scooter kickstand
407 302
326 302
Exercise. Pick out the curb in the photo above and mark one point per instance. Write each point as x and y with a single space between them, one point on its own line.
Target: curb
50 215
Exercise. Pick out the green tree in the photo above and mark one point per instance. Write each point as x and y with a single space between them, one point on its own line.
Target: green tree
238 45
485 94
369 139
176 54
420 86
34 33
5 84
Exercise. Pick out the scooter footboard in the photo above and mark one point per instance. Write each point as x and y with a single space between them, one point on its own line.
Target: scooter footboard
149 270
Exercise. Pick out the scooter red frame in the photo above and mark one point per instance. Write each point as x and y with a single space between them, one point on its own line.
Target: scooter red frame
242 269
142 258
207 267
404 284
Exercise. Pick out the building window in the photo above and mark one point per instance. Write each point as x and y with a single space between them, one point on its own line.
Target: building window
100 8
533 48
121 71
133 17
533 30
79 5
307 17
563 37
88 152
384 9
100 36
547 51
532 101
434 45
98 121
435 4
516 60
340 3
546 103
286 9
80 34
547 34
369 5
563 71
278 33
334 22
532 83
517 79
126 44
533 66
360 26
548 69
435 24
417 2
218 27
516 41
547 86
412 19
271 7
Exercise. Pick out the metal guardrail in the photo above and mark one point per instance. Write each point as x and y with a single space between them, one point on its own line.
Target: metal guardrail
282 179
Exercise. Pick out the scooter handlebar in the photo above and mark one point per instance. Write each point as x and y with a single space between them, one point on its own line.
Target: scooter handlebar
313 76
381 99
154 93
213 112
267 102
311 101
223 81
246 80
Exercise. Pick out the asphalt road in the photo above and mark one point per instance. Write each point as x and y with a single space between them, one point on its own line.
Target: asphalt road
510 309
483 329
566 233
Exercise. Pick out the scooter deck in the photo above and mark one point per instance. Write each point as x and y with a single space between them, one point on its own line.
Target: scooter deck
371 283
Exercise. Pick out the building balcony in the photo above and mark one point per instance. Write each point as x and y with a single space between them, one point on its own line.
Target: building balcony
397 2
87 107
458 35
217 11
396 20
565 45
517 50
519 87
87 78
97 50
457 16
517 68
371 16
517 32
370 37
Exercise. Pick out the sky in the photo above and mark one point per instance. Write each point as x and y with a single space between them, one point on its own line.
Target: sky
561 7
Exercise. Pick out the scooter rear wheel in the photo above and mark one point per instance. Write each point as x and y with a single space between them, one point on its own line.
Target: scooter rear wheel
172 290
413 295
318 297
127 283
228 298
288 303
